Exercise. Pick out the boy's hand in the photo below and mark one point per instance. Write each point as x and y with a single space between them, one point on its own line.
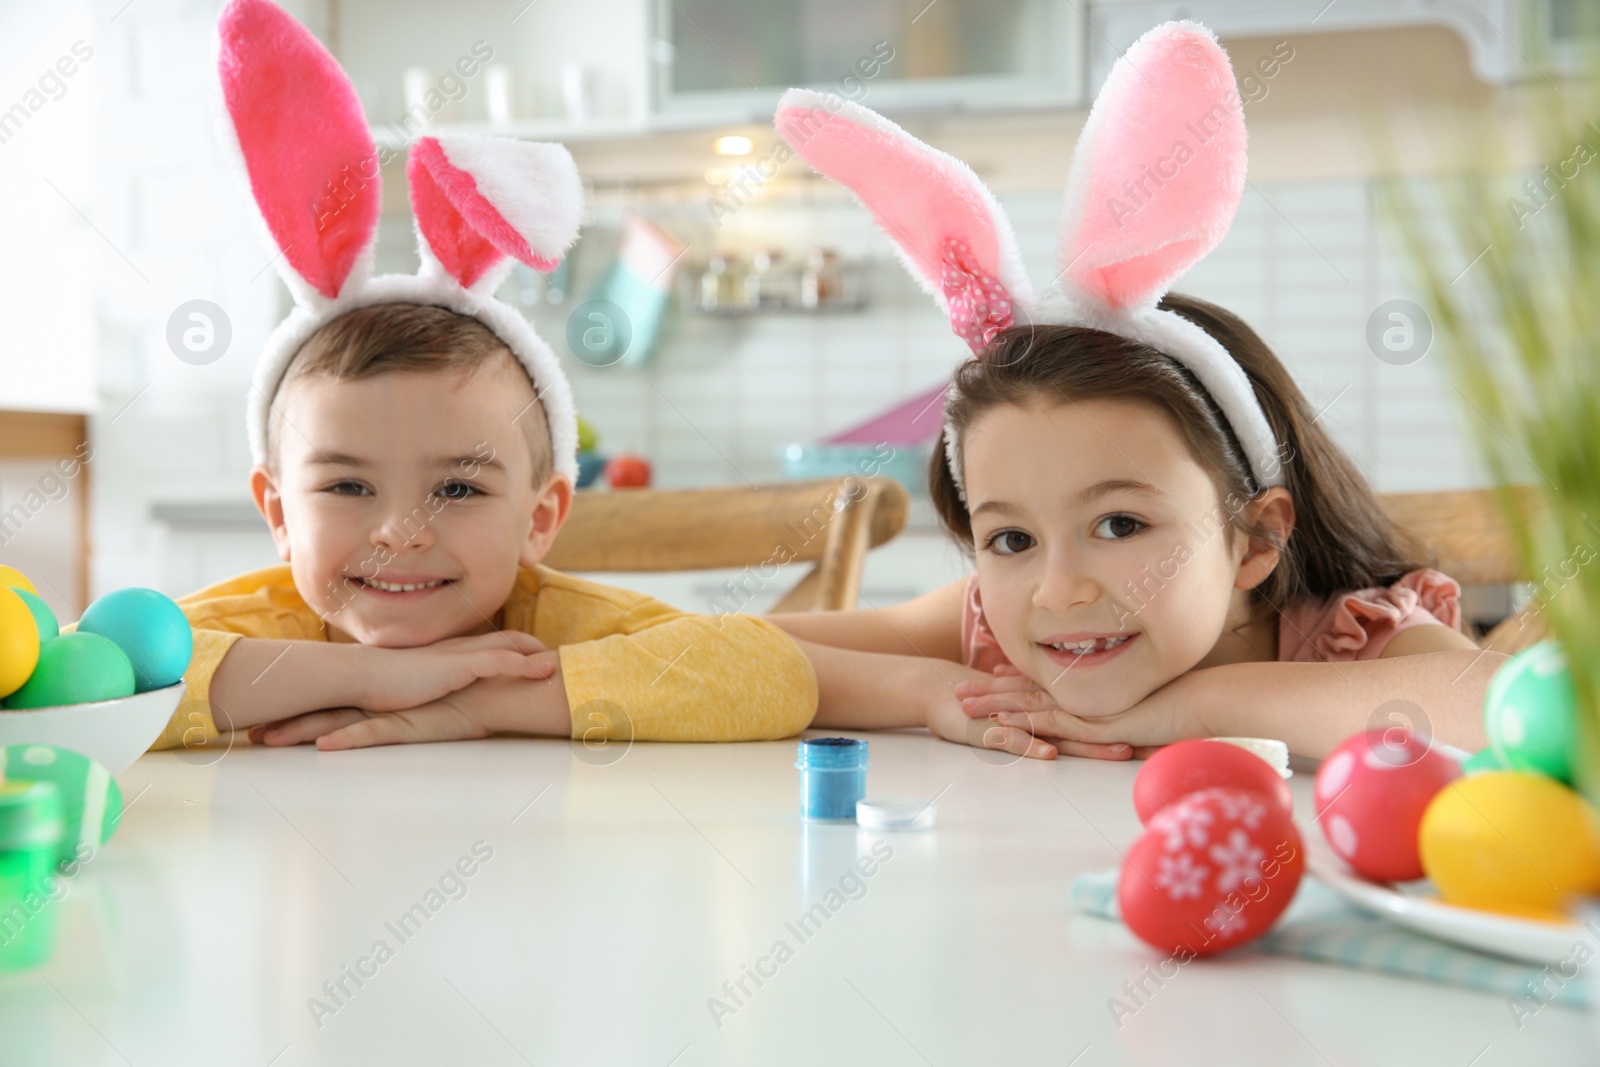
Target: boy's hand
1017 702
394 679
486 706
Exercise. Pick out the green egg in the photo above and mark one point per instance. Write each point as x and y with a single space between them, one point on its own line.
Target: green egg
1530 713
1482 762
91 800
75 668
43 617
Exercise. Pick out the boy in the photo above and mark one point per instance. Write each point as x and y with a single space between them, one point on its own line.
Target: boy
415 447
409 487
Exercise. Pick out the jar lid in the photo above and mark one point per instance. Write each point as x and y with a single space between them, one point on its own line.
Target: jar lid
896 813
832 754
30 816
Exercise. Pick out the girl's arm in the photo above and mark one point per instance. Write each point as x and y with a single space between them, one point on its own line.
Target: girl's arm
897 668
876 691
1312 707
929 626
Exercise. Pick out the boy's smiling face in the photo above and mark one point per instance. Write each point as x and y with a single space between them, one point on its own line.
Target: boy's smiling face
409 477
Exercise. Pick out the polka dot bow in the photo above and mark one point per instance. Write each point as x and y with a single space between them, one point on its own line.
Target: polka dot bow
979 306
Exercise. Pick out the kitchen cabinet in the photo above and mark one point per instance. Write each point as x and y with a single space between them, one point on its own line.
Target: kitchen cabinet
1490 28
732 61
621 70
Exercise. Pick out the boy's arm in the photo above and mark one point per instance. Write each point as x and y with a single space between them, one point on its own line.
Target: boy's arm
670 676
660 675
261 679
237 682
232 684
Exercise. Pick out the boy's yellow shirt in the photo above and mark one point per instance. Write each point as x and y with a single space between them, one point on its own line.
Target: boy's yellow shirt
678 676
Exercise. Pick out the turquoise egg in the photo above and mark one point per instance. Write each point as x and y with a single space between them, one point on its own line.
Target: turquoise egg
75 668
150 629
90 798
1530 713
43 617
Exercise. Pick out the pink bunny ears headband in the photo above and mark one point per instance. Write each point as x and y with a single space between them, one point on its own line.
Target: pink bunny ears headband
1155 180
312 169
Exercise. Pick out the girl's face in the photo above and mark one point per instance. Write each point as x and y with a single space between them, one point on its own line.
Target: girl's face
1095 528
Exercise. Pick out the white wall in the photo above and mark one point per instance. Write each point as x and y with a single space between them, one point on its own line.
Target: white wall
1304 264
165 429
48 153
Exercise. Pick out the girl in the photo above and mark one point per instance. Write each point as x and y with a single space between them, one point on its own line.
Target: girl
1167 544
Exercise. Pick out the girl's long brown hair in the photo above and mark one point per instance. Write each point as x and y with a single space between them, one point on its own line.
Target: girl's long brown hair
1342 539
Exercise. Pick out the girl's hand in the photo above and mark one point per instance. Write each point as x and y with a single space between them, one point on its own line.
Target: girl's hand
1017 702
394 679
487 706
948 719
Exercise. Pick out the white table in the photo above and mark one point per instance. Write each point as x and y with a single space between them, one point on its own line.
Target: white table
620 896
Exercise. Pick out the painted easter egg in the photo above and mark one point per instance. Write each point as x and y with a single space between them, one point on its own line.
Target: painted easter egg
75 668
19 641
1212 871
43 617
11 577
151 630
91 800
588 439
1188 766
1370 794
90 797
1530 712
1482 761
1512 842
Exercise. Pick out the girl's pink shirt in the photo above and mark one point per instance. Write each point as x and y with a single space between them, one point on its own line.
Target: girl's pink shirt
1350 626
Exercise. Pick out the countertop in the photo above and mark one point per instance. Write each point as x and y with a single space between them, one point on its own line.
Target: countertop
520 901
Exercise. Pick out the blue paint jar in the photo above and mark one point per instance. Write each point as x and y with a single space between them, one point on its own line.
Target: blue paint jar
833 776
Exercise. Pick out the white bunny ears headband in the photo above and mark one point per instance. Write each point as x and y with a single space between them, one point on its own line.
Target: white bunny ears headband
312 169
1156 178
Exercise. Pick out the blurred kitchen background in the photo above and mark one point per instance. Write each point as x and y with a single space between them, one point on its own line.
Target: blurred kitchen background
733 315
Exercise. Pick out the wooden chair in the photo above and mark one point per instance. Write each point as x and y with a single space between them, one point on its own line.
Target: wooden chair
1473 545
830 523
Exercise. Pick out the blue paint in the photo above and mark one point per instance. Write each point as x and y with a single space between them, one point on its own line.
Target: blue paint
833 776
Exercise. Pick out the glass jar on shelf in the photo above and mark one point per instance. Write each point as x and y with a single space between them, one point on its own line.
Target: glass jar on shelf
722 284
821 282
770 283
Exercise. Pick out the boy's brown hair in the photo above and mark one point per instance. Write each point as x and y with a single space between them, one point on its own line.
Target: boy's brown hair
381 338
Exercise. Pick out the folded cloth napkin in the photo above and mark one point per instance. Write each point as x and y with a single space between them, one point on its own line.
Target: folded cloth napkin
1321 925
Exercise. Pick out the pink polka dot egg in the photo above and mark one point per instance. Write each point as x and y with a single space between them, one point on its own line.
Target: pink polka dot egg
1370 795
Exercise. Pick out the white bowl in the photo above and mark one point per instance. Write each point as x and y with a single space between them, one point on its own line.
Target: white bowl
113 733
1416 905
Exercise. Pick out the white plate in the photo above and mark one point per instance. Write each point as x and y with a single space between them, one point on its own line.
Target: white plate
1416 906
113 733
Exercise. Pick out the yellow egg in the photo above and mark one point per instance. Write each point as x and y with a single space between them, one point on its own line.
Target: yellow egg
10 576
1510 842
19 642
